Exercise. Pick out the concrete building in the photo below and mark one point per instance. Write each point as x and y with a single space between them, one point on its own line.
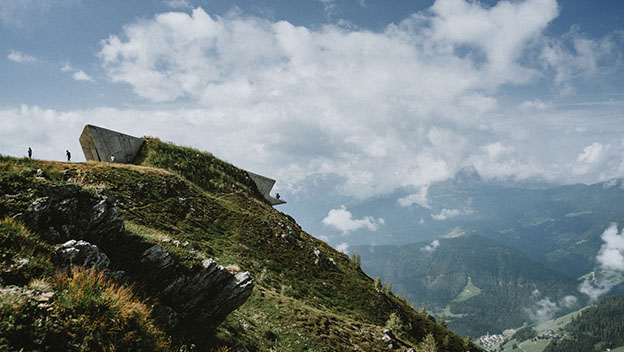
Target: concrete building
265 185
101 144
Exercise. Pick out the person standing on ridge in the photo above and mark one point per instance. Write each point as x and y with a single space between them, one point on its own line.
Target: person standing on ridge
29 153
68 155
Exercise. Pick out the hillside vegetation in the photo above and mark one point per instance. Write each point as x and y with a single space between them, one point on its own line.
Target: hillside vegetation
596 328
478 284
194 206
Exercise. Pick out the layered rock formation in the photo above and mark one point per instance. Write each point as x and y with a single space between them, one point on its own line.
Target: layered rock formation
202 296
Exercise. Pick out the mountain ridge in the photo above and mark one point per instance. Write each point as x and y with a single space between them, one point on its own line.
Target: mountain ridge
307 296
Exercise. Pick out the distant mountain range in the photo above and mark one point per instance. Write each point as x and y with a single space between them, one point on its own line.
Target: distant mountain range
559 226
498 241
478 284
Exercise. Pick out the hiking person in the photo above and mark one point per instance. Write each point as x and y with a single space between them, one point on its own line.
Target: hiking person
29 153
112 158
277 196
68 155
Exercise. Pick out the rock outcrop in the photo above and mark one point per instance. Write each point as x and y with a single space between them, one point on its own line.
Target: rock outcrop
82 253
67 212
205 296
69 215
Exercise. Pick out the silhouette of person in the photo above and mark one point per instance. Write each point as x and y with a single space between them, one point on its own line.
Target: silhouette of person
277 195
29 153
68 155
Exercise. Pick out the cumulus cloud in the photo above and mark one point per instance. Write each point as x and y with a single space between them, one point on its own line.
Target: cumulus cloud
611 255
400 107
351 90
430 248
610 258
419 198
81 76
20 57
343 220
590 157
451 213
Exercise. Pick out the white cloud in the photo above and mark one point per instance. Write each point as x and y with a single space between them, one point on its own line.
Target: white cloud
589 158
611 255
67 67
178 4
543 310
81 76
343 247
430 248
575 56
419 198
451 213
343 220
610 258
568 301
400 107
20 57
351 89
596 288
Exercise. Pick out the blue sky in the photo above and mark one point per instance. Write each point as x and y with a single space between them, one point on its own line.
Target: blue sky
359 97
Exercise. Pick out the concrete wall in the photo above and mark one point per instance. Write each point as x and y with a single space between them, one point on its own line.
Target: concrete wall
265 185
99 144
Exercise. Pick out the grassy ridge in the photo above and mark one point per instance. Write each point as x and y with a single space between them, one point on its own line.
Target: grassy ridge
307 297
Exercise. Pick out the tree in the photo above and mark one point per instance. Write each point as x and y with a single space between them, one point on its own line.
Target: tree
428 344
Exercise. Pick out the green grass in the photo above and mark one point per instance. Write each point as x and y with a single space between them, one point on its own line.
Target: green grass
188 196
75 310
468 292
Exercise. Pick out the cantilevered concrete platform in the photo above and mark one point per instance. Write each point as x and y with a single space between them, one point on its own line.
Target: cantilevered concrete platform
265 185
100 144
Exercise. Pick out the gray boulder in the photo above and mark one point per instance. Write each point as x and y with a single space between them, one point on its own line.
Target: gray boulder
82 253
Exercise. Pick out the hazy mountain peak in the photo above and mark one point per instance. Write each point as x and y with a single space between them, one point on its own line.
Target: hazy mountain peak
466 175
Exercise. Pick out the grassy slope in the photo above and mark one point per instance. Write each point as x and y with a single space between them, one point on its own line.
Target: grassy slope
187 195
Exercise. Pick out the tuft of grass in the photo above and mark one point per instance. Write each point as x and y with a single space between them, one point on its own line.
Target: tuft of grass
101 315
22 255
85 312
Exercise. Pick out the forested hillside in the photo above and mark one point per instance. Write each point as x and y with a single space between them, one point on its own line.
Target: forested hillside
478 284
597 328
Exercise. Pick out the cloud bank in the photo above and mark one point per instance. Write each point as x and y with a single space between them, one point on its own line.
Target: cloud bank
343 220
402 107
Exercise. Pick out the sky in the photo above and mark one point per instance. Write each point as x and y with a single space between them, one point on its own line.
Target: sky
361 97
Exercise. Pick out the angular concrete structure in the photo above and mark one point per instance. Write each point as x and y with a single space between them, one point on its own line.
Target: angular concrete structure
100 144
265 185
